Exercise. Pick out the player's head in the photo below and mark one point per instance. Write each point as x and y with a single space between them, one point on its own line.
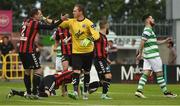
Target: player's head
148 19
110 43
36 14
78 10
5 39
103 24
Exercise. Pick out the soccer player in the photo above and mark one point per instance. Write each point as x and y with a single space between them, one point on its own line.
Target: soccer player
47 85
29 59
101 62
152 60
83 34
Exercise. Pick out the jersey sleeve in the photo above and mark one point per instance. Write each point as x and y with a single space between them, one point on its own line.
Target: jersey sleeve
65 24
94 34
146 34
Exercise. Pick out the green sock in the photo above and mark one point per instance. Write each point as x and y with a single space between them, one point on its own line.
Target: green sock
162 83
142 82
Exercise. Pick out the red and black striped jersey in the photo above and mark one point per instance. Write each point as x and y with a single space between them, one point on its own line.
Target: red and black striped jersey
66 43
29 29
100 47
28 33
65 76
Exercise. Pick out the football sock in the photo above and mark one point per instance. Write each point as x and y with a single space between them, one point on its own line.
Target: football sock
142 82
75 81
86 82
36 82
27 82
162 83
106 85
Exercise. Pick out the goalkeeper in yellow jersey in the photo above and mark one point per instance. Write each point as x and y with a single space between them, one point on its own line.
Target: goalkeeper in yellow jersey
83 35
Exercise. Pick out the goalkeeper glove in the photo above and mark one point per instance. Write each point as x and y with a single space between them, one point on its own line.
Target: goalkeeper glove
85 42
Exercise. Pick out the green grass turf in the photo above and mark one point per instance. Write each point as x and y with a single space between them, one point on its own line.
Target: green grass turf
122 94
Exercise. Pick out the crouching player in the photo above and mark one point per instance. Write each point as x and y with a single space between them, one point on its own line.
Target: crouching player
47 85
101 62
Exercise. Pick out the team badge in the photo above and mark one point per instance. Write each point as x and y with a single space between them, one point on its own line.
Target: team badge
84 25
93 25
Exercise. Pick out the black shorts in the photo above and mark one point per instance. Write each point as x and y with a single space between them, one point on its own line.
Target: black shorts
47 83
102 66
30 60
82 61
67 58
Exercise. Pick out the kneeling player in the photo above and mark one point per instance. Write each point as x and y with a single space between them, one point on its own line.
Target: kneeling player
47 85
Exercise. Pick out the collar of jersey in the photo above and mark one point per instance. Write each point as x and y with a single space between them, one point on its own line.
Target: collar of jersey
81 20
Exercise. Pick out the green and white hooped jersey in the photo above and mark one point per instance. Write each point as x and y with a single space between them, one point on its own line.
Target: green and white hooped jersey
151 49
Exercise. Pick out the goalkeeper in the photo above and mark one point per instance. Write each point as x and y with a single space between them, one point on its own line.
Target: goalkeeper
83 34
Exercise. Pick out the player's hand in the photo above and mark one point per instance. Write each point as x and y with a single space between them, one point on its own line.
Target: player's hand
168 39
138 57
85 42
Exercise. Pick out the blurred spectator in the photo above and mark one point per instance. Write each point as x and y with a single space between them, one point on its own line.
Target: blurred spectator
6 48
112 52
172 53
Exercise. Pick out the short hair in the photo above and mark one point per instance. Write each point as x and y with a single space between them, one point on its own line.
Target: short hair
111 41
80 8
145 16
34 12
102 23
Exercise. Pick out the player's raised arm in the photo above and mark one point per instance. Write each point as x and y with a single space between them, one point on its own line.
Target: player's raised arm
51 26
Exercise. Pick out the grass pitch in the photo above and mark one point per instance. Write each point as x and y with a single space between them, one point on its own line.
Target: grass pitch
122 94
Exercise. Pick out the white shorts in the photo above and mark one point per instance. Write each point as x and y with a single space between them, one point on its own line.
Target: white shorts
154 64
58 64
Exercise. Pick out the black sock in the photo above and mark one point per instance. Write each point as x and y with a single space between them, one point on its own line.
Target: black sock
86 82
19 93
27 82
95 84
75 81
36 82
106 84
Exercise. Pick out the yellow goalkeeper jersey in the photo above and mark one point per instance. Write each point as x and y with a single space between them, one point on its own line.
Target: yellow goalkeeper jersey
81 30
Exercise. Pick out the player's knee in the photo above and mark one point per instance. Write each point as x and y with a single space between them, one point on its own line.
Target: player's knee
108 75
38 71
147 72
27 72
159 73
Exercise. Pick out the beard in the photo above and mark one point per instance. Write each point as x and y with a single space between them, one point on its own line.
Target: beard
152 23
107 31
